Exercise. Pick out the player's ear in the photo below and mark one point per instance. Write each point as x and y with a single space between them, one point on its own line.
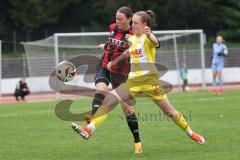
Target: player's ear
129 20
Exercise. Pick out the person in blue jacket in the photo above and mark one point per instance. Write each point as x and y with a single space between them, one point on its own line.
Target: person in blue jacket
220 51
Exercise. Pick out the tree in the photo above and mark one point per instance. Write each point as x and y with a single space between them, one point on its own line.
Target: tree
29 15
230 20
214 17
5 20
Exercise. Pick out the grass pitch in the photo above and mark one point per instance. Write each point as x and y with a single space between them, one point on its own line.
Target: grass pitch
32 131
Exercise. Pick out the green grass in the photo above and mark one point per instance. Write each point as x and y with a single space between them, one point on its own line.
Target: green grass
32 131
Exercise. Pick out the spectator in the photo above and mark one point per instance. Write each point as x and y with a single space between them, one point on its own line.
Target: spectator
21 89
183 74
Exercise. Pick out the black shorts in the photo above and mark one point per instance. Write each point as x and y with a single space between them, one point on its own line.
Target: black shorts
105 76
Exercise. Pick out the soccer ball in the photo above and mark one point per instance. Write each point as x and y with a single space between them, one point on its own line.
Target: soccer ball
66 71
187 89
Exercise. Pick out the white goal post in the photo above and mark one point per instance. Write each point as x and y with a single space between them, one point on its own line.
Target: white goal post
0 68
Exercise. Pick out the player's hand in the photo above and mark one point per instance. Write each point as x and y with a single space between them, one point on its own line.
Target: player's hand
221 54
148 31
101 47
109 65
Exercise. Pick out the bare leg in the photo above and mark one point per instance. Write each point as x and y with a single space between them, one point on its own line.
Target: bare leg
214 82
219 75
178 119
131 121
109 103
101 88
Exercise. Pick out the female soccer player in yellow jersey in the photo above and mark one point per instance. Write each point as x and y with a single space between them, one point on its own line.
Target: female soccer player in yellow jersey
143 78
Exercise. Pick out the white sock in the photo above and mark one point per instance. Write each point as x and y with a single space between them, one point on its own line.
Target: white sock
189 132
91 127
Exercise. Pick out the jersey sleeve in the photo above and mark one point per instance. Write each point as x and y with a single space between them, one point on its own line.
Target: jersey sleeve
149 42
225 50
112 27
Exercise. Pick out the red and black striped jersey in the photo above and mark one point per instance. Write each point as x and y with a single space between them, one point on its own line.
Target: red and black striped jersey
115 46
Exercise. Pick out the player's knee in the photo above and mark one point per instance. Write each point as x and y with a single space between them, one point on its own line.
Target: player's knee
171 113
214 74
128 111
110 100
101 88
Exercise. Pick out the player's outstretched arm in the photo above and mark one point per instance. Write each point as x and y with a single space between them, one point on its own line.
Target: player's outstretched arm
151 37
122 57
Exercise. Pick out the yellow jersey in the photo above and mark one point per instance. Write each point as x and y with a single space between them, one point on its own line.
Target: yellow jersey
143 76
142 56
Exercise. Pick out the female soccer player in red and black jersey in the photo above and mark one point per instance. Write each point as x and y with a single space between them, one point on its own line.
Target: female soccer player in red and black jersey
115 46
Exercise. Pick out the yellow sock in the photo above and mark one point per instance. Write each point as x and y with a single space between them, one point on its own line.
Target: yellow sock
99 116
182 123
98 120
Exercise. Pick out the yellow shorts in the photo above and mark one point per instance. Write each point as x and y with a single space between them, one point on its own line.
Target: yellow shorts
148 84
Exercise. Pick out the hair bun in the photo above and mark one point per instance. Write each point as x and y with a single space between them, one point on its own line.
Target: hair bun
150 13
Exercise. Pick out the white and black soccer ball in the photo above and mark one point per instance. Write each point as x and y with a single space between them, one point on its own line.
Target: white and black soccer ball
66 71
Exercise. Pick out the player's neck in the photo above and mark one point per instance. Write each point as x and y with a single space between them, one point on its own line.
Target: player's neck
139 34
126 28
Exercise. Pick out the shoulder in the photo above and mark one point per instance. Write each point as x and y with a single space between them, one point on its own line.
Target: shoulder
131 32
131 40
147 40
131 37
150 43
224 45
215 45
112 27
